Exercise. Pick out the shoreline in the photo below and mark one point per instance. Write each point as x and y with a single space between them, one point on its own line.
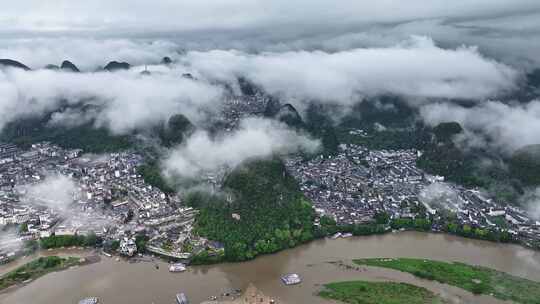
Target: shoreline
124 282
155 257
83 261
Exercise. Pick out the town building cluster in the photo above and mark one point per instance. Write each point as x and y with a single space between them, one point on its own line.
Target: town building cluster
106 196
357 183
235 108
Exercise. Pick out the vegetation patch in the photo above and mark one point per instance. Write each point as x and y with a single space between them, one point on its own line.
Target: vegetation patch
36 269
525 165
361 292
59 241
151 173
476 279
262 211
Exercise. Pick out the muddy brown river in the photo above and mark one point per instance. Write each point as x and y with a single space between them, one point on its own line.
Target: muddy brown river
121 282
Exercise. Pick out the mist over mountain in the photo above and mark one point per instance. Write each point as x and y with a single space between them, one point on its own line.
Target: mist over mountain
69 66
9 63
475 114
115 66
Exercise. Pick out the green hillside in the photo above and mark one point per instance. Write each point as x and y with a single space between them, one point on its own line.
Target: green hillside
525 165
263 212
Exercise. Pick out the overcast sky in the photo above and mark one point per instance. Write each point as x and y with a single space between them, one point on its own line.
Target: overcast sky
141 16
507 29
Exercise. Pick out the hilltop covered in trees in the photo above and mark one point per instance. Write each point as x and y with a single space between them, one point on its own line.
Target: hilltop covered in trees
262 212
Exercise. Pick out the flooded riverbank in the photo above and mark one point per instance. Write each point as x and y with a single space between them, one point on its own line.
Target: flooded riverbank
119 282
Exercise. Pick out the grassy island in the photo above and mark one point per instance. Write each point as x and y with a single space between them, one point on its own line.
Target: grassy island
36 269
476 279
362 292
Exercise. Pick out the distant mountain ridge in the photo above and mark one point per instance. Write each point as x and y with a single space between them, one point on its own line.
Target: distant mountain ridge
115 66
68 65
13 64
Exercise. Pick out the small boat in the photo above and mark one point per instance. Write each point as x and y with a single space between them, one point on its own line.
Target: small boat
336 236
178 267
90 300
291 279
181 298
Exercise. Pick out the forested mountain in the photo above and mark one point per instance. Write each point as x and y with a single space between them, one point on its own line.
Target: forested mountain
13 64
262 211
525 165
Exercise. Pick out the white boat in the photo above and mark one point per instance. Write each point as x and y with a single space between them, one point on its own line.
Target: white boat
346 235
336 236
181 298
90 300
178 267
291 279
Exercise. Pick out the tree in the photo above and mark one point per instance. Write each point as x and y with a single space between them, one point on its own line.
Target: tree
382 218
140 241
151 174
91 240
23 228
175 130
452 227
30 246
115 245
467 230
321 126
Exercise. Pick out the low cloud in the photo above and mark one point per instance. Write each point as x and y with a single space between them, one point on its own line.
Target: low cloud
440 195
344 77
10 241
505 127
59 194
121 101
126 100
530 201
254 138
55 191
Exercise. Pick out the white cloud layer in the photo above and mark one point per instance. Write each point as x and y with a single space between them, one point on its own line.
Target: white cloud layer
254 138
127 100
416 68
503 126
531 202
440 195
56 192
124 100
10 241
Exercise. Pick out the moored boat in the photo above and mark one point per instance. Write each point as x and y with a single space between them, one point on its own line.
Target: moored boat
181 298
178 267
89 300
